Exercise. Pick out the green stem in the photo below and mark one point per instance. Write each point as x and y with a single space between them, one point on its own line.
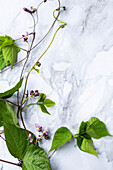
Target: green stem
18 39
29 105
20 48
38 61
37 14
56 17
27 98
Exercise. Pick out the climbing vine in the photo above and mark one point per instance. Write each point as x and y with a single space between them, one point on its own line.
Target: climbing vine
22 143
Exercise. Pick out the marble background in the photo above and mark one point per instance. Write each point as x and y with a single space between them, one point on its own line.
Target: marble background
76 72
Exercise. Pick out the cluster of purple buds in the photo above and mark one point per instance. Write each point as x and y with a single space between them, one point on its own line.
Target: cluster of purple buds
25 36
38 64
34 93
38 128
44 133
31 10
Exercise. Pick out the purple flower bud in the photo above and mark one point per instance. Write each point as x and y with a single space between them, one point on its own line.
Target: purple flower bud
25 36
45 132
46 137
30 138
25 9
31 92
39 138
38 64
64 8
36 93
33 10
39 128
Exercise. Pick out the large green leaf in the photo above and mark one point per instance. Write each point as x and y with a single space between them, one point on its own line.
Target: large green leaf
96 128
35 159
10 92
9 51
2 62
86 145
61 136
7 114
10 54
16 140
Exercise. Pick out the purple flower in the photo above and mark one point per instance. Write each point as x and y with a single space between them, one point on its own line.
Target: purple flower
46 137
39 128
36 93
31 92
25 36
1 131
45 132
39 138
32 10
30 138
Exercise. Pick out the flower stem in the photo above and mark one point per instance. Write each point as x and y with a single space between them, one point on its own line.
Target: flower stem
52 153
49 29
38 60
10 162
2 138
29 105
27 98
9 101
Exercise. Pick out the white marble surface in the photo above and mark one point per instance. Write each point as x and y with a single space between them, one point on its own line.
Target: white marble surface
76 72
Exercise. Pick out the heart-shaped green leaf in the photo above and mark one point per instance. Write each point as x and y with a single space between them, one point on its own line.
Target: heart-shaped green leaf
9 51
61 136
35 159
16 140
10 92
86 145
7 113
96 128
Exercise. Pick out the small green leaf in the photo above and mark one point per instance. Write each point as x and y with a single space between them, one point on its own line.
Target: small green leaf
82 128
10 92
36 159
42 97
96 128
86 145
43 108
49 103
7 114
16 140
61 136
37 70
